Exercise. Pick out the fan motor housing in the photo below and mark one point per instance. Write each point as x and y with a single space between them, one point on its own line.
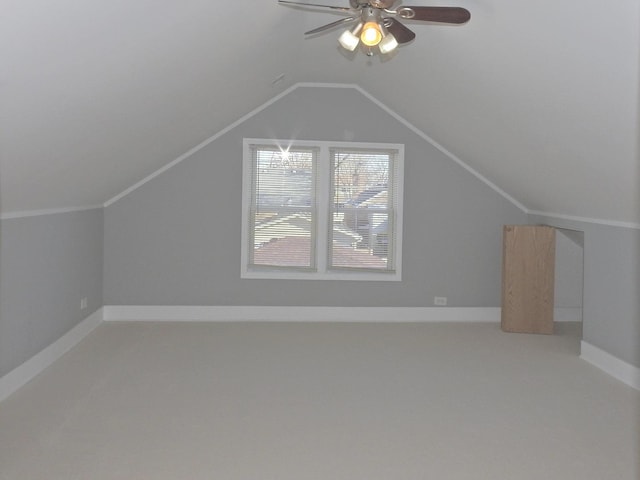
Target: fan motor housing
372 3
381 3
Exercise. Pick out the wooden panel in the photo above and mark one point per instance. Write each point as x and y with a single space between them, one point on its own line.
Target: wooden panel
528 278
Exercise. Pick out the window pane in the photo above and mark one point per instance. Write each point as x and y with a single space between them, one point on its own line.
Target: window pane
361 204
321 210
283 224
366 248
283 178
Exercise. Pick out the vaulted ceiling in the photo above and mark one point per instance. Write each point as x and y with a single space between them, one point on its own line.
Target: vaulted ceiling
540 97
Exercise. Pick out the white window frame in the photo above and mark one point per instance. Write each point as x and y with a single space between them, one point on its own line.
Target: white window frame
323 191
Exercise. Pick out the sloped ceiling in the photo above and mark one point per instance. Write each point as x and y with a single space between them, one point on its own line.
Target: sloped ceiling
540 97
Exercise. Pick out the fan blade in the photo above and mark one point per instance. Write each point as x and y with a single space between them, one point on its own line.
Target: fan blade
435 14
300 4
401 33
330 25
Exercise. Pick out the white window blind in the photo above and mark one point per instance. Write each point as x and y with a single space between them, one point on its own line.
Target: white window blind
283 216
322 210
362 210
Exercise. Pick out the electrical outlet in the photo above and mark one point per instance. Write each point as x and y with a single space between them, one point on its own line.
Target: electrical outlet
83 303
441 301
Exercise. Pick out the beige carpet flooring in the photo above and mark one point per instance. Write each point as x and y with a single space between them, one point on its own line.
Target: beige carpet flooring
276 401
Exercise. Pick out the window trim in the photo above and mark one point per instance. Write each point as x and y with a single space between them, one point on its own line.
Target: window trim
323 193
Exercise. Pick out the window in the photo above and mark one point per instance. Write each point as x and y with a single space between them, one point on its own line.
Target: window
322 210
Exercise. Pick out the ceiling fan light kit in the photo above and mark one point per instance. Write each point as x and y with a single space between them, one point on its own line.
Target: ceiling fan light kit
350 39
375 23
388 44
371 34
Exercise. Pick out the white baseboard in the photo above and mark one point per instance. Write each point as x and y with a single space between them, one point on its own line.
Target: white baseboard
316 314
19 376
623 371
299 314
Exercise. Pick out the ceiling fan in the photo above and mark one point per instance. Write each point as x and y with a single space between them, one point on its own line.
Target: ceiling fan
376 24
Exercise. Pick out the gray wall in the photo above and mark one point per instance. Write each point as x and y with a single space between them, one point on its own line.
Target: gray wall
48 263
569 269
176 239
611 306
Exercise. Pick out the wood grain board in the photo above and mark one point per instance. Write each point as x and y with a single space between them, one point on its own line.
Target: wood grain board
528 269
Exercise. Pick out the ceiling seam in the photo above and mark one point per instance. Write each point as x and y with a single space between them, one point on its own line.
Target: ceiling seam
199 147
49 211
370 97
597 221
451 156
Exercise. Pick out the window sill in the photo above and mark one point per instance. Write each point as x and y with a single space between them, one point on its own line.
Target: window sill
352 276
